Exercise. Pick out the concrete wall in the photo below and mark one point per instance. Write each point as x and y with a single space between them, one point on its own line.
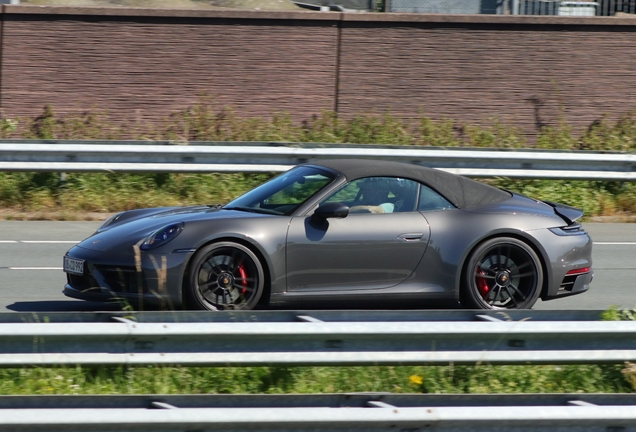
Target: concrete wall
142 65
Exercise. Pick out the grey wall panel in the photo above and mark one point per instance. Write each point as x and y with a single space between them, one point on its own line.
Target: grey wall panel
526 74
141 65
142 68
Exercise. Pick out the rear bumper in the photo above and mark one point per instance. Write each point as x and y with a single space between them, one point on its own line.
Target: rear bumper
568 262
572 285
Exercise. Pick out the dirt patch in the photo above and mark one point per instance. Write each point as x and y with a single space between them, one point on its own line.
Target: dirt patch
51 215
622 218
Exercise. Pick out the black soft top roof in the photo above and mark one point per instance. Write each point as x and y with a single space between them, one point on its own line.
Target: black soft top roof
461 191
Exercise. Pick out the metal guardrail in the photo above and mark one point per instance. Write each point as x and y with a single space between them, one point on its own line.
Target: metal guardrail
343 412
249 337
199 157
380 339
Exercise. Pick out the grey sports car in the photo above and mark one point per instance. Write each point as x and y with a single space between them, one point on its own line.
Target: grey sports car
340 232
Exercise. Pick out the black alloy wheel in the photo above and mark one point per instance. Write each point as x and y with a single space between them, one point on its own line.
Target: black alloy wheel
502 273
226 276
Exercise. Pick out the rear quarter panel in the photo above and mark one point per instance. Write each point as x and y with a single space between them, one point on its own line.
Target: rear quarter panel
455 233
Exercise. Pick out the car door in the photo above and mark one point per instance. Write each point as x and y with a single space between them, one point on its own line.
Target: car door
372 248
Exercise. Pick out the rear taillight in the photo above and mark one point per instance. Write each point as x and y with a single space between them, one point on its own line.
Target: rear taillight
578 271
573 229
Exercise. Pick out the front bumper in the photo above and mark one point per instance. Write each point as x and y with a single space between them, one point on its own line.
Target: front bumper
106 296
156 280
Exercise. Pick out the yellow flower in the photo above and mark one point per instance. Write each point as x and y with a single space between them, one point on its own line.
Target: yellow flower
415 379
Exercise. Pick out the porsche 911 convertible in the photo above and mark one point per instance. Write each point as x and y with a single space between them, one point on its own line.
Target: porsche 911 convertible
340 232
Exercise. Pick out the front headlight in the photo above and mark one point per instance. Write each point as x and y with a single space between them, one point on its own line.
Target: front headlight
162 236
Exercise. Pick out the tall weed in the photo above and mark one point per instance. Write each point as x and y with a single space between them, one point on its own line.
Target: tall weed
89 125
602 135
206 121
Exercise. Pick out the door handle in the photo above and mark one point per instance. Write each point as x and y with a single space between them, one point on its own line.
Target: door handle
411 236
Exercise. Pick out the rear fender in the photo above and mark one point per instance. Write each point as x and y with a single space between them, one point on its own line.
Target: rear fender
520 235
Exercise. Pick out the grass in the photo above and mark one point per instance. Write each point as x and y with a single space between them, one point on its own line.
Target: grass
86 194
115 192
280 380
451 379
80 194
83 193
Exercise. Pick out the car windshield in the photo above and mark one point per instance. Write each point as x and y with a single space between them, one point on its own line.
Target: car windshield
284 193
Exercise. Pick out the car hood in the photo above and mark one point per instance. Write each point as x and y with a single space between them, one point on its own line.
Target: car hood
131 227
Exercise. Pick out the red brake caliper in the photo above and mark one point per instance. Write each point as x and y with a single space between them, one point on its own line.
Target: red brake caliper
243 275
482 285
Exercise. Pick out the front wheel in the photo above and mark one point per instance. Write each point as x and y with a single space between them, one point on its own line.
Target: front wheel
502 273
225 276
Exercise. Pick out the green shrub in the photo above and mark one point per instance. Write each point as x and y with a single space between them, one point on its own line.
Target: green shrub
205 121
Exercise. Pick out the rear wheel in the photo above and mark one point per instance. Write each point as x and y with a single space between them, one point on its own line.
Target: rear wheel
502 273
226 276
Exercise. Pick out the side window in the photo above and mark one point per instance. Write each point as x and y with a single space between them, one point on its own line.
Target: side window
431 200
298 191
378 195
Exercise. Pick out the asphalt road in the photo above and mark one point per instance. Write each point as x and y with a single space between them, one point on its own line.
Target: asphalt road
32 280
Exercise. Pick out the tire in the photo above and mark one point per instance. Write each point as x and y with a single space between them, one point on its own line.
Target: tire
502 273
225 276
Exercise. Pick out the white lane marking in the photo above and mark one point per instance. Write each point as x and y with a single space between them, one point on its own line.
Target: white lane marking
35 268
615 243
42 241
49 241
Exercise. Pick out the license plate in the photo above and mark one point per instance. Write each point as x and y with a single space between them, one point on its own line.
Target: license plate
72 265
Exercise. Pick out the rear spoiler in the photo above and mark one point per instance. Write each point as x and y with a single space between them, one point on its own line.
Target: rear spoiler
567 213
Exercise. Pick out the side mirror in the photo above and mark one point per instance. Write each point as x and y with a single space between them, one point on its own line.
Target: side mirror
331 210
